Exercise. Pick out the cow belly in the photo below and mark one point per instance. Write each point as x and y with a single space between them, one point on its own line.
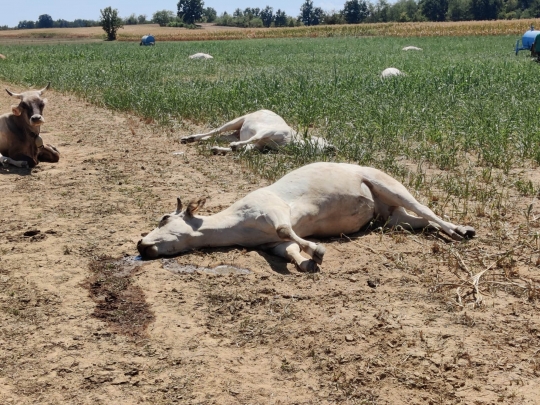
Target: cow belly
340 219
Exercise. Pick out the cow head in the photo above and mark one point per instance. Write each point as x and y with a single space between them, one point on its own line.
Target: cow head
177 232
31 106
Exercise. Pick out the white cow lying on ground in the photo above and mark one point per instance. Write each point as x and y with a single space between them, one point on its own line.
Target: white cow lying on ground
411 48
201 55
391 72
320 199
259 130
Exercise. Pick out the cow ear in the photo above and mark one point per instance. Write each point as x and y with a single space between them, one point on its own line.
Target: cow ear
16 110
194 206
178 205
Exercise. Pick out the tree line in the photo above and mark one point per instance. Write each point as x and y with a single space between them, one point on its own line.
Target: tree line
363 11
190 12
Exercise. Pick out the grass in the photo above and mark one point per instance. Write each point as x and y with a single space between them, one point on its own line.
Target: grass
467 107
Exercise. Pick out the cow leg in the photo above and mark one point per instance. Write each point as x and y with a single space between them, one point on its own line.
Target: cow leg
219 150
8 161
316 251
233 125
251 143
291 251
279 217
389 195
400 217
49 154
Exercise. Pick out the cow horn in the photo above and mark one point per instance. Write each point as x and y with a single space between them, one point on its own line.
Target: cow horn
14 94
178 205
44 88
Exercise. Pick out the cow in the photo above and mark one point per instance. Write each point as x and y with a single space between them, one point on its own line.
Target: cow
201 56
260 130
320 199
20 142
411 48
391 72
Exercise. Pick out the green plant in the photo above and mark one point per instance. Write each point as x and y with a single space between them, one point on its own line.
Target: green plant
110 22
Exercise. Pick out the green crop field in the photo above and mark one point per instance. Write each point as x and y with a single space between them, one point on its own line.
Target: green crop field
467 105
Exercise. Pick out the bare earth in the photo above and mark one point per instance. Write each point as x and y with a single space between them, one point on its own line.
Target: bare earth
381 323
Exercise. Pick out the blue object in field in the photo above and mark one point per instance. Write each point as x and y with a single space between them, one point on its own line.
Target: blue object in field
148 40
527 40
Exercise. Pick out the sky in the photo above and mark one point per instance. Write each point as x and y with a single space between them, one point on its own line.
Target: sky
14 11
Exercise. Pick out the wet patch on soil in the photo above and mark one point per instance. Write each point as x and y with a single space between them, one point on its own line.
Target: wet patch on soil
174 267
119 303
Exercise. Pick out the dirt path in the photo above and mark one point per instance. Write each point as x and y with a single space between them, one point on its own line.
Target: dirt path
369 328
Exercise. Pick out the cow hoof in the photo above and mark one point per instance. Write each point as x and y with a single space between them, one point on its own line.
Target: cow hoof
308 266
23 165
467 232
318 254
312 267
215 150
186 139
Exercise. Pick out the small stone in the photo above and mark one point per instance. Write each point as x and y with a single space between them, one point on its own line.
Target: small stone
371 284
349 338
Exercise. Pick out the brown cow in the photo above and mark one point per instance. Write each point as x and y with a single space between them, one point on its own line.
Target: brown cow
20 142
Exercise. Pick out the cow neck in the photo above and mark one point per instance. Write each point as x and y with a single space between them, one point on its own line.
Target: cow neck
213 228
25 127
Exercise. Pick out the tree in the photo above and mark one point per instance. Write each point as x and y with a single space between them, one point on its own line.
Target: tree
334 17
210 14
162 17
459 10
45 21
485 9
110 22
190 10
310 15
382 11
434 10
61 23
267 16
141 19
404 11
280 19
26 25
131 20
355 11
252 12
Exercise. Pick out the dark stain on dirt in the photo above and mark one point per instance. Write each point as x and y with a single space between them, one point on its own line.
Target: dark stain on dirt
119 302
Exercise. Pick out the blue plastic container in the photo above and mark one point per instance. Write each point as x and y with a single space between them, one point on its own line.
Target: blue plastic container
148 40
527 40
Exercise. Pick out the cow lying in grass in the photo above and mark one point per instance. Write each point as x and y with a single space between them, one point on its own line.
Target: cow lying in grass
320 199
259 130
20 142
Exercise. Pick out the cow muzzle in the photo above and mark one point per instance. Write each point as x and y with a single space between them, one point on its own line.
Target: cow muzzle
37 119
147 251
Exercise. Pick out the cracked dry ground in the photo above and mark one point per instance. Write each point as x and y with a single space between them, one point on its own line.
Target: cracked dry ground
380 324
